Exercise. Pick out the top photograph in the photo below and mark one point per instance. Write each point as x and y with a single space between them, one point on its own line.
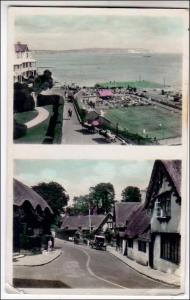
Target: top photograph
97 76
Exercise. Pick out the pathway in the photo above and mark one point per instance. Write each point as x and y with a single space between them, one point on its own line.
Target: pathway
42 116
74 133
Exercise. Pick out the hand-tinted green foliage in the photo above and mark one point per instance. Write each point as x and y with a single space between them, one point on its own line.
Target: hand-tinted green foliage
54 194
102 197
42 82
23 101
99 200
131 194
80 206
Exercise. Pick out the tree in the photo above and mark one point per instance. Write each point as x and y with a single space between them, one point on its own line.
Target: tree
54 194
43 82
131 194
102 197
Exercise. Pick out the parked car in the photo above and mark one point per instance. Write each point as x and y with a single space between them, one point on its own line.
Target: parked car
99 242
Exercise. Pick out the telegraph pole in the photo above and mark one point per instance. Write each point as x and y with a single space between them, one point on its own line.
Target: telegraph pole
89 217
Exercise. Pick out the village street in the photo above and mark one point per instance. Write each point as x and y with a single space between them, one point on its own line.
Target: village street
82 267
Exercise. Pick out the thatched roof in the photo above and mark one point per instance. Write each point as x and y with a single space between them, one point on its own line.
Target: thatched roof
123 211
138 223
172 170
74 222
24 193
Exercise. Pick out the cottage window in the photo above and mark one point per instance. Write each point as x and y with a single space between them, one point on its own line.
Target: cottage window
130 243
170 247
109 224
163 206
142 246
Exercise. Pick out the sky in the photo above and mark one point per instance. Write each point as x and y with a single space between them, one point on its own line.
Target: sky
77 176
64 32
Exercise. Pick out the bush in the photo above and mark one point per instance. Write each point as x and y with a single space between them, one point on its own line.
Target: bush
24 242
19 130
23 101
43 82
43 100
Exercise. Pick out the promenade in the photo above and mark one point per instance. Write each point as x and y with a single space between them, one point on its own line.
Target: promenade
74 133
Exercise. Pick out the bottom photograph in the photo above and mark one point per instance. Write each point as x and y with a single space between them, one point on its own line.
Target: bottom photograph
108 224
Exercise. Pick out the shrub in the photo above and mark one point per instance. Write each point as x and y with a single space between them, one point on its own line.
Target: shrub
23 101
43 100
19 130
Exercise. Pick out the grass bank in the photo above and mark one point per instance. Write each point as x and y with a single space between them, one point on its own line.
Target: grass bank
36 134
25 116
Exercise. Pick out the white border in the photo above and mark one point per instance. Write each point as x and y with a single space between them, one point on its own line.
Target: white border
83 151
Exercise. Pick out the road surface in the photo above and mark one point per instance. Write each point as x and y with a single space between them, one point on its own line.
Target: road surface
82 267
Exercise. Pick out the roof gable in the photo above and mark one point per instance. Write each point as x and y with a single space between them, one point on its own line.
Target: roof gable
123 211
21 47
74 222
138 223
172 170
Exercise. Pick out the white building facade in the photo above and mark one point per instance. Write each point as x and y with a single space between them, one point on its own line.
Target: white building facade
164 205
24 65
153 232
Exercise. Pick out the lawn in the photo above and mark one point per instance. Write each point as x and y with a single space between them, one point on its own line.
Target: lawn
25 116
142 84
36 134
151 120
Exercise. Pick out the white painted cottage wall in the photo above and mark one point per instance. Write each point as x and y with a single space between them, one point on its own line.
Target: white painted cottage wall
162 264
138 256
173 225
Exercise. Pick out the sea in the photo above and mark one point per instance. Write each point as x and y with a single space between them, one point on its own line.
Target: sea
86 68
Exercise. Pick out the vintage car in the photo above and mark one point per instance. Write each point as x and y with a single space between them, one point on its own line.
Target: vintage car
99 242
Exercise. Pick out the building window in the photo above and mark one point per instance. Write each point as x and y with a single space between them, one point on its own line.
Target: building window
163 206
130 243
142 246
170 247
109 224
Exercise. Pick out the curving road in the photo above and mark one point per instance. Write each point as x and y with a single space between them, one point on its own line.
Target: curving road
83 267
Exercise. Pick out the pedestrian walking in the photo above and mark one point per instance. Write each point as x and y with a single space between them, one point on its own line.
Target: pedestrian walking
70 112
53 238
49 245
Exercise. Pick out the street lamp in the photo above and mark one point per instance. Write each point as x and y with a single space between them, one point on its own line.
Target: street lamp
89 217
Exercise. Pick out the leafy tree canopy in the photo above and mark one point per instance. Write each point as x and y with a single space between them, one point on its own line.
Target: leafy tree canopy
102 197
99 200
131 194
54 194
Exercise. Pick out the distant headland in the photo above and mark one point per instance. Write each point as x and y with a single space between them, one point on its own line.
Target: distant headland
119 50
